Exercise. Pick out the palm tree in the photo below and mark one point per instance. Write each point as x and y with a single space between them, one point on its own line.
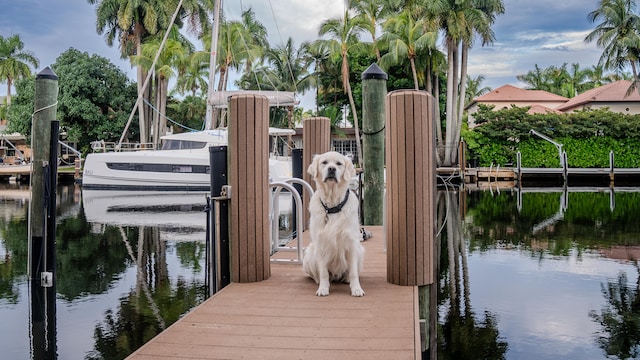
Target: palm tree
596 77
372 11
475 88
536 79
173 59
257 35
618 35
234 49
345 32
406 38
317 54
460 20
195 76
131 21
14 62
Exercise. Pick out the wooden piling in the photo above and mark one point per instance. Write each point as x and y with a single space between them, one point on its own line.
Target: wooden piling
411 187
374 92
46 100
249 179
316 139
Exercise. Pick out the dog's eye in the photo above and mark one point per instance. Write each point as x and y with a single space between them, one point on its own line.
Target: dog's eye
339 163
325 162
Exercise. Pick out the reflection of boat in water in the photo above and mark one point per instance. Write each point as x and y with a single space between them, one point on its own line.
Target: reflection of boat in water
181 165
179 216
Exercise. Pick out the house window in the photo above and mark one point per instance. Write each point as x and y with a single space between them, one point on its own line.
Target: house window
347 148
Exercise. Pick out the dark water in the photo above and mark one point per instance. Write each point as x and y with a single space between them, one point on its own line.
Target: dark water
539 275
127 267
533 275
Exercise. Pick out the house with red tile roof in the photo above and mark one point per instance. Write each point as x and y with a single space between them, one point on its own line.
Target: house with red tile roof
613 96
507 96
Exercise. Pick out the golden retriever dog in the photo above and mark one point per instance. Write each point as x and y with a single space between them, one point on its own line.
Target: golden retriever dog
335 252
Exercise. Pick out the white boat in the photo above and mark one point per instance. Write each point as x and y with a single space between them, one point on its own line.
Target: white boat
181 165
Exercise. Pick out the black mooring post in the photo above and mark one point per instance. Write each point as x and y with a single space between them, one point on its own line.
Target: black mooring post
219 272
51 194
296 172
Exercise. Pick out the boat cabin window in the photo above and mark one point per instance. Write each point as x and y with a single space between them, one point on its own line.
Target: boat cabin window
182 144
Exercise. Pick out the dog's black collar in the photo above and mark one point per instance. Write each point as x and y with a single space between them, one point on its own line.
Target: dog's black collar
338 208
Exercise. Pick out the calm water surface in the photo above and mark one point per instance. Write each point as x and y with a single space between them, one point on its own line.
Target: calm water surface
521 275
539 275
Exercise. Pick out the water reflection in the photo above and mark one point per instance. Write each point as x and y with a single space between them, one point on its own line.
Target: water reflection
122 276
538 275
522 275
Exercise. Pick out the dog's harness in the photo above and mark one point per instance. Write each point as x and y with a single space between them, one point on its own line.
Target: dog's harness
335 209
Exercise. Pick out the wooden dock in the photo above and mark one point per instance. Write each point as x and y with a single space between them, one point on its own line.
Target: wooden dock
282 318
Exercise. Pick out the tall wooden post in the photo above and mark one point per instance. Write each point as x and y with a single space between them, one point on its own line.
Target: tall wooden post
374 92
42 259
411 188
249 180
316 139
46 100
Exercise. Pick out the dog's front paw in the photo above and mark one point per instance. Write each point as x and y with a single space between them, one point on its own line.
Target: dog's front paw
322 291
357 292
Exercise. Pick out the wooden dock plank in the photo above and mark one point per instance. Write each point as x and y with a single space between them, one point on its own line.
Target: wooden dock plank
282 318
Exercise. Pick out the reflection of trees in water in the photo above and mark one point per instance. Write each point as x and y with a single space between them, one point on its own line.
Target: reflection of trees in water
620 318
462 334
13 264
139 318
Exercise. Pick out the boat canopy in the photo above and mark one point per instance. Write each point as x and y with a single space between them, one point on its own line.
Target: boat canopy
220 99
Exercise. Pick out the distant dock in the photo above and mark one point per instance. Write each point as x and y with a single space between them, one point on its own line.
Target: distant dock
23 172
510 176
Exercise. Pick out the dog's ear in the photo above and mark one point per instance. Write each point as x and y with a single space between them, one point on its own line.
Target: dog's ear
313 167
349 169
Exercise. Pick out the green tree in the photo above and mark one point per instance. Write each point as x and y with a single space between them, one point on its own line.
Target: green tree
373 12
193 79
131 22
475 88
460 20
618 35
406 38
344 33
173 58
94 99
14 62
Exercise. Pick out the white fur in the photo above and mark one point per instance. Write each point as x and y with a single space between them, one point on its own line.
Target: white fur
335 252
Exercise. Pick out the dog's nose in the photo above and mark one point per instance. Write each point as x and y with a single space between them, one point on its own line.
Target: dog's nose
331 170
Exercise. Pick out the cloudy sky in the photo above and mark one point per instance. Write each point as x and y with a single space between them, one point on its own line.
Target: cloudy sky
542 32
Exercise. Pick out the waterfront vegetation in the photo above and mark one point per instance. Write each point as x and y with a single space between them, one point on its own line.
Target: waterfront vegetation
587 137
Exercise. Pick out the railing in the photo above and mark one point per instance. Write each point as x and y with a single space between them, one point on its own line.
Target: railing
276 188
106 146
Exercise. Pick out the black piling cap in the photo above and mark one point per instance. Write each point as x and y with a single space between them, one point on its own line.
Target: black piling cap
47 73
374 72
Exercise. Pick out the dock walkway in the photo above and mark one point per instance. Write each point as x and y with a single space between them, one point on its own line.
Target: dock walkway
282 318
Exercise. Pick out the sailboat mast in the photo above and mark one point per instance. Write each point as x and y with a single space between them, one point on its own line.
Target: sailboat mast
212 63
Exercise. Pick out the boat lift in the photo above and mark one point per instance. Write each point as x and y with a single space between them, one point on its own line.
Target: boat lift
561 153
